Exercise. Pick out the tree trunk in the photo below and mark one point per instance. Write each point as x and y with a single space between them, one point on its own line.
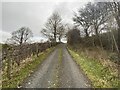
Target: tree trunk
21 39
116 45
101 42
54 37
86 32
96 32
119 39
55 31
93 41
59 39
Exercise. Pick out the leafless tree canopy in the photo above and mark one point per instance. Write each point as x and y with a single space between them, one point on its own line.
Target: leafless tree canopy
93 15
21 36
100 22
54 27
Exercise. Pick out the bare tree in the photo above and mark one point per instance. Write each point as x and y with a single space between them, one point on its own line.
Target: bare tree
99 16
114 10
61 32
94 15
53 27
21 36
83 18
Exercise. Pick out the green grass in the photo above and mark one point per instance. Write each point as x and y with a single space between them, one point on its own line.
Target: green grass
18 77
100 76
60 56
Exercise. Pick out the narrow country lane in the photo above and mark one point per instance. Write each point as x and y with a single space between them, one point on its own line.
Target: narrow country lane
71 76
57 71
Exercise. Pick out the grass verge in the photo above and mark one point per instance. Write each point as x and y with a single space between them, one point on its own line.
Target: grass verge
100 76
18 77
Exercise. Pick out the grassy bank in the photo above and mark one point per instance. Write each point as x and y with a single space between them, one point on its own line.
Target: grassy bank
100 76
18 77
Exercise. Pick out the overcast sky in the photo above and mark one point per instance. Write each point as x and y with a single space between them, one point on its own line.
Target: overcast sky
34 15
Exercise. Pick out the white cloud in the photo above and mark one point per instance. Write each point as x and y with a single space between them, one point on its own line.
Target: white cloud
32 15
35 14
38 39
47 1
4 36
67 10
